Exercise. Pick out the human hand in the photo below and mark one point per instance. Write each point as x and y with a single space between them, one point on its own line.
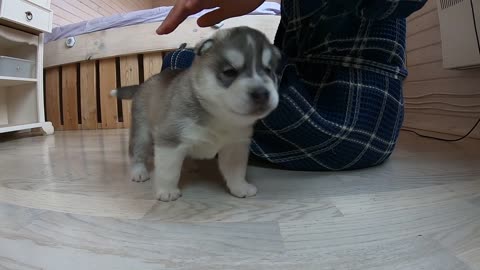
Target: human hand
224 9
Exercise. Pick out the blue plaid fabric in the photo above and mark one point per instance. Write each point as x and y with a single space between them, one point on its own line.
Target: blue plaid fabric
178 59
341 103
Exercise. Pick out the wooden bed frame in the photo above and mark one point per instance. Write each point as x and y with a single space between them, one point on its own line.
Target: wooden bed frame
78 80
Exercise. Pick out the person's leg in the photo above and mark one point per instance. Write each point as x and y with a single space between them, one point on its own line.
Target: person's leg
350 119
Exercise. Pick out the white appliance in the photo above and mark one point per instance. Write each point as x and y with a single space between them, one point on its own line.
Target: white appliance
460 31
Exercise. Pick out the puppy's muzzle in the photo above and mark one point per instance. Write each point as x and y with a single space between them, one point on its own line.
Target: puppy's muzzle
260 96
260 100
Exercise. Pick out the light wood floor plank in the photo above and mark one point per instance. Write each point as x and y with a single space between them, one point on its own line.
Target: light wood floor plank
377 227
238 210
77 204
81 241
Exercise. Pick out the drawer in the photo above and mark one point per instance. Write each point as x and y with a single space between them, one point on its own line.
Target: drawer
27 14
16 67
43 3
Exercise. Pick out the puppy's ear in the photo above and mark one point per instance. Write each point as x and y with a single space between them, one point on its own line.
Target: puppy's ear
276 53
203 47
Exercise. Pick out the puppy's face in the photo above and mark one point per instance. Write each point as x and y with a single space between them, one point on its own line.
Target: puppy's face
237 72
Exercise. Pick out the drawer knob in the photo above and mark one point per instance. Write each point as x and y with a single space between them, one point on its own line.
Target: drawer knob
29 15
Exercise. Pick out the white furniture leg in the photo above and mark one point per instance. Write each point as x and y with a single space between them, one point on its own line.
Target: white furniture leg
47 128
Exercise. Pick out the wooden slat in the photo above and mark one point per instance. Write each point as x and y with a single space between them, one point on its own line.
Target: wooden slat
423 23
435 70
429 6
95 6
52 97
162 3
100 5
69 97
467 103
79 10
64 15
129 76
424 39
444 109
82 9
108 104
448 124
425 55
141 38
453 86
152 64
59 21
71 10
88 95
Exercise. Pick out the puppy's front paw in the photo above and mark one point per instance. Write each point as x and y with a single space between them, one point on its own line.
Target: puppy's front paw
242 189
167 195
140 173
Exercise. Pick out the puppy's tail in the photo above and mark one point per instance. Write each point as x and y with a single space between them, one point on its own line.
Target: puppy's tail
126 92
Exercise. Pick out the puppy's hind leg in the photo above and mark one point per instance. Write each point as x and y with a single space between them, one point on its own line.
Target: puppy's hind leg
233 161
140 151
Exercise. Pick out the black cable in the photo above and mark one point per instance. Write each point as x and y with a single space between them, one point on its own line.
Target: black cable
442 139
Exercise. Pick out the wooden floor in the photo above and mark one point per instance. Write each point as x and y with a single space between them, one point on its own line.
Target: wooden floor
66 202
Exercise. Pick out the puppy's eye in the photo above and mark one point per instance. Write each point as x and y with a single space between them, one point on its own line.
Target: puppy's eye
230 73
268 70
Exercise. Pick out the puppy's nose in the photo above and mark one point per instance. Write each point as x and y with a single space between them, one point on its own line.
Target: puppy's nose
260 95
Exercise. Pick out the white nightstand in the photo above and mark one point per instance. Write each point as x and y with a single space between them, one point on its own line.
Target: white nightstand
22 24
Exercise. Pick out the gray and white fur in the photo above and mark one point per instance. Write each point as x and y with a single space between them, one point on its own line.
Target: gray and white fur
205 110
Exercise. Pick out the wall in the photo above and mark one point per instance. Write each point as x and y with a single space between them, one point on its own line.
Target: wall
437 99
72 11
159 3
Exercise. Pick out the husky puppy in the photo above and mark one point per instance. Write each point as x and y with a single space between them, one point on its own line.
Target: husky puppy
205 110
